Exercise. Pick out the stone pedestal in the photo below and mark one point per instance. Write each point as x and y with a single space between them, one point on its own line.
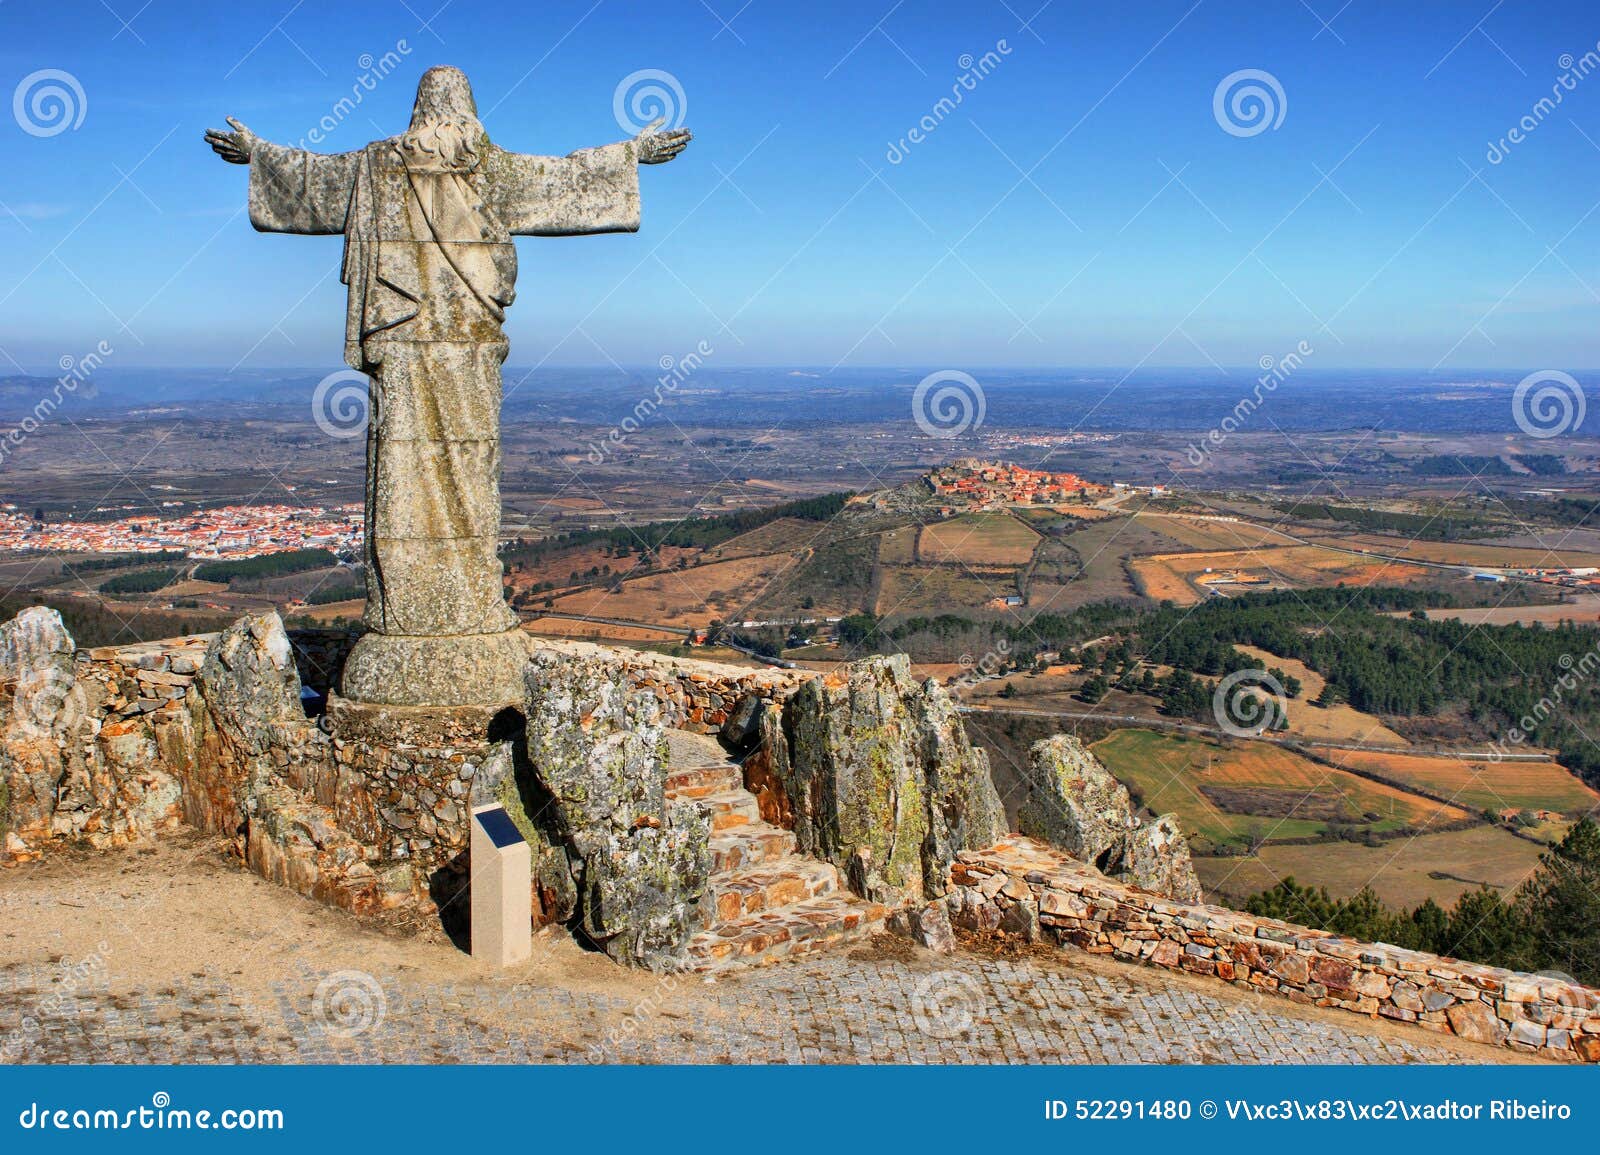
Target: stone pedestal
409 778
468 670
501 889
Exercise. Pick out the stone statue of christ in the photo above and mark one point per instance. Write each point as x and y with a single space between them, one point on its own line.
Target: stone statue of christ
427 219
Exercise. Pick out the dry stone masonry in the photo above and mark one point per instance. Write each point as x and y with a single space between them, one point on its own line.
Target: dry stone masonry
1044 893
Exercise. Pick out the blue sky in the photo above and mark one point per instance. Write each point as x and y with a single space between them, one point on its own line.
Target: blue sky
1082 206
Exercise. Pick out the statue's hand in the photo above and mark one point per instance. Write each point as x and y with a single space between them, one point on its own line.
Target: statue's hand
234 147
659 147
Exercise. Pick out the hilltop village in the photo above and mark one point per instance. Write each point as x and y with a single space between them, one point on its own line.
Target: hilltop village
973 485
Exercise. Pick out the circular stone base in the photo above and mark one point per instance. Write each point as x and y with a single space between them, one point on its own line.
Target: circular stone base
458 670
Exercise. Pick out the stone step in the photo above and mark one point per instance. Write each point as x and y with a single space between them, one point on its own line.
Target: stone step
790 930
749 845
689 782
769 885
731 809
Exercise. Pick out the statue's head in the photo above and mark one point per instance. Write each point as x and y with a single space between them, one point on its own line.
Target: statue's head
445 131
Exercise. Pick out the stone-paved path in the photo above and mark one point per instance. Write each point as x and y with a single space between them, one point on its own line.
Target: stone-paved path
179 956
840 1008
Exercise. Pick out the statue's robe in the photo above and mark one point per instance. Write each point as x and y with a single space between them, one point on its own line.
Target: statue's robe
431 269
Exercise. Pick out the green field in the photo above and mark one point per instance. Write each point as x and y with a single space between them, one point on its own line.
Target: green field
1253 791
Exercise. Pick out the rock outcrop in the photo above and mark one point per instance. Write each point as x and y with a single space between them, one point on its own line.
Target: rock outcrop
67 769
875 774
599 750
36 660
1076 804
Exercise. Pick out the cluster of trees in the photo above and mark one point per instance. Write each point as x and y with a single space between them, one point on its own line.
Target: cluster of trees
1543 464
1560 510
688 533
1461 465
92 625
1471 465
140 581
1428 527
343 591
123 560
1551 923
265 566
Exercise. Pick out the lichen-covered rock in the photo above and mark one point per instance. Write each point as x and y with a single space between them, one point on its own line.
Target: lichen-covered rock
244 722
882 780
36 659
598 749
964 809
41 724
597 746
641 896
1155 857
250 682
744 723
64 771
1076 804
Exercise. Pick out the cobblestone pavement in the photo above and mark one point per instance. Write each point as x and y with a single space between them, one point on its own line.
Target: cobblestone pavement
834 1009
178 956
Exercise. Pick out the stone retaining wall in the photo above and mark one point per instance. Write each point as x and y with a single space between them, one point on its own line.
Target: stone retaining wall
143 678
1024 887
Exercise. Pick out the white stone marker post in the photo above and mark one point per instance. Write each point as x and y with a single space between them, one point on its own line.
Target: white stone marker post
501 872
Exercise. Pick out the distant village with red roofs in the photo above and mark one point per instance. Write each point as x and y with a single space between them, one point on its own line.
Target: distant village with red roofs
231 531
977 485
